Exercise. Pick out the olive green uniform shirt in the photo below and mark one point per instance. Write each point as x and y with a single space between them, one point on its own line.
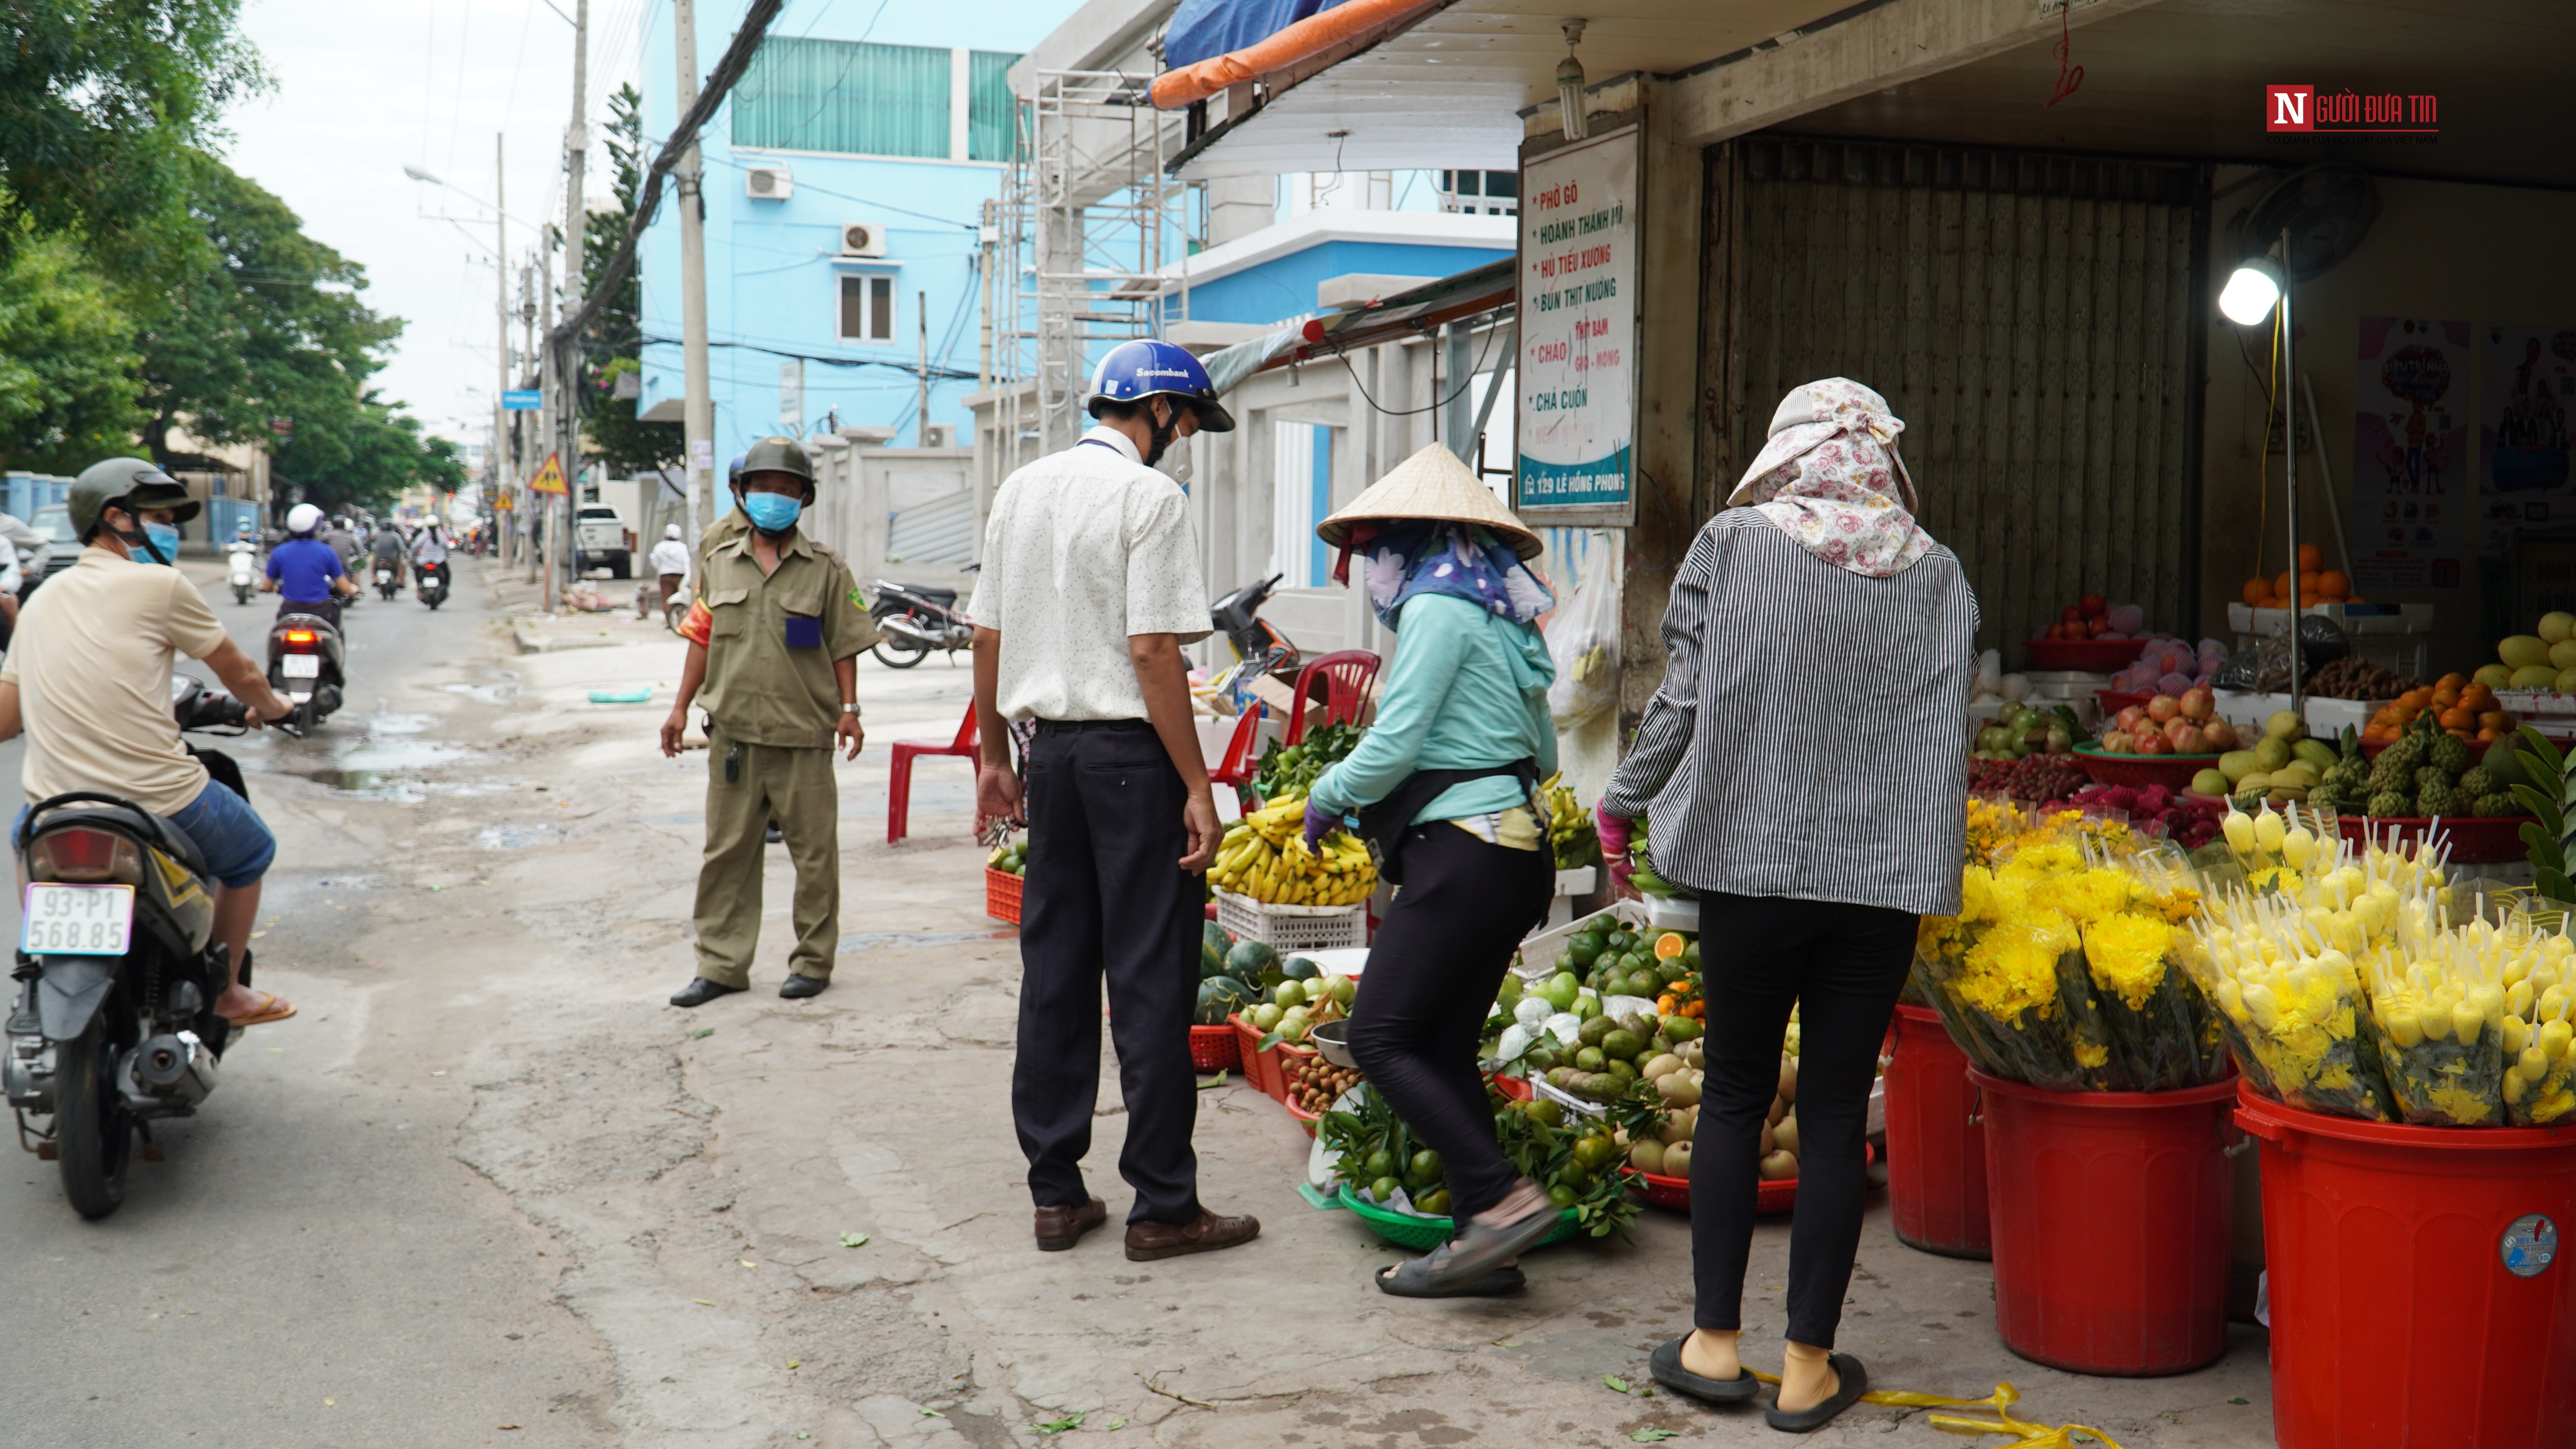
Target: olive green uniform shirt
772 641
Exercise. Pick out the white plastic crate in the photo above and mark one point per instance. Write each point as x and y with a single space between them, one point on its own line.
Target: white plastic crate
1292 928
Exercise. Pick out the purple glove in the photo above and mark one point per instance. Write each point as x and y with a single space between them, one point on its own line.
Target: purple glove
1319 824
1614 844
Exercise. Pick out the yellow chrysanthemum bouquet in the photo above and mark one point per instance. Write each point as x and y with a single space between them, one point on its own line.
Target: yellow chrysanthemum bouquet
2058 970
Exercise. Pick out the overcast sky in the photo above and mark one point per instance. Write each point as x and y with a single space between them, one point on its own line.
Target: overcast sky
362 91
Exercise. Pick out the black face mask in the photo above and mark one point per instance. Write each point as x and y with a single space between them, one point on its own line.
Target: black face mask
1162 436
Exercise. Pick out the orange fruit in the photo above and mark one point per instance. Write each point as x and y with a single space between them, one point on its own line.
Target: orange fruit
2333 585
2458 719
2453 680
1670 944
2281 585
2256 591
2311 558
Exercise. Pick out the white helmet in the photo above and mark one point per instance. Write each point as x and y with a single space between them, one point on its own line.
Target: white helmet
671 532
303 518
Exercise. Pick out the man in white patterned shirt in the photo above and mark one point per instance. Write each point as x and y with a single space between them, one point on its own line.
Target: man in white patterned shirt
1090 587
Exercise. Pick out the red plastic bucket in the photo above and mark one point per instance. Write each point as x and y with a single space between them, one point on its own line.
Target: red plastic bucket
1936 1152
2416 1302
2111 1221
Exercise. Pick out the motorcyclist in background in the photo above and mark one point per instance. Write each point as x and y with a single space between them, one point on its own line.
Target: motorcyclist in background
429 546
306 570
90 685
386 549
344 542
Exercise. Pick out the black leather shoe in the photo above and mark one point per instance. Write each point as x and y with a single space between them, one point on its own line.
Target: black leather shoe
773 835
700 991
797 988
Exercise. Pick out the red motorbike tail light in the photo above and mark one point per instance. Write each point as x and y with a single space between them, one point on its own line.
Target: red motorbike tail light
301 636
85 856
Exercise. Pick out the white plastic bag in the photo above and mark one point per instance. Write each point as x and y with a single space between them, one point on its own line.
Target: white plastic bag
1583 644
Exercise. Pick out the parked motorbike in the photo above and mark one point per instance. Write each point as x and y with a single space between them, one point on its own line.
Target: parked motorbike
243 568
114 1025
675 609
430 584
1259 648
304 664
913 619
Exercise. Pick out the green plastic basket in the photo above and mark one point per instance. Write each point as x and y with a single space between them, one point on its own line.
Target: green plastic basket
1424 1234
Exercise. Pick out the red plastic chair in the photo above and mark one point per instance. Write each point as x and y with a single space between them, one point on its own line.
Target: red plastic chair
899 785
1346 676
1242 752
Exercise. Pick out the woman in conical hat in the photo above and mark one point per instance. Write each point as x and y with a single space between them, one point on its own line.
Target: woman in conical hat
1444 787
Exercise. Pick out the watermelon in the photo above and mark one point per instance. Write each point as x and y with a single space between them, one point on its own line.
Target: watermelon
1249 959
1214 938
1299 968
1218 996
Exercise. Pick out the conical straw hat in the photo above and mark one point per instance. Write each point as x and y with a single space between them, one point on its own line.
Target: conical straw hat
1432 484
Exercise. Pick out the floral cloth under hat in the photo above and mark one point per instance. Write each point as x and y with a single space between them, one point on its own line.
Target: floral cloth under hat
1830 477
1407 557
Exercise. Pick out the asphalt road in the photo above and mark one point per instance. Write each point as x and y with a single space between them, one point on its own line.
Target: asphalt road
310 1265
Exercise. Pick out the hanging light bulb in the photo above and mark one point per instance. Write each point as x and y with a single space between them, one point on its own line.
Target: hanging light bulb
2251 290
1569 84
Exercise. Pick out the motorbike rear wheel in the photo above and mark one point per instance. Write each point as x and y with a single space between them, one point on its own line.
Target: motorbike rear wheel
93 1131
897 656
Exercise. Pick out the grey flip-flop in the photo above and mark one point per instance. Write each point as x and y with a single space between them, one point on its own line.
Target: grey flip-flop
1665 1365
1854 1382
1409 1279
1478 1249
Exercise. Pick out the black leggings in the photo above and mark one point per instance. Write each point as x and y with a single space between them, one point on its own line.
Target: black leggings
1432 973
1842 966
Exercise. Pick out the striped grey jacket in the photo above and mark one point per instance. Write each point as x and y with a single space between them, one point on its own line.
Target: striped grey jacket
1808 738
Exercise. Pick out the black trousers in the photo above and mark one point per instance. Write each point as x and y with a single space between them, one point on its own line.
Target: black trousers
1439 955
1842 967
327 610
1106 896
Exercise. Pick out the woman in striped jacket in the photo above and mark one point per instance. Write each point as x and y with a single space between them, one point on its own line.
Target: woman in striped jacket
1804 772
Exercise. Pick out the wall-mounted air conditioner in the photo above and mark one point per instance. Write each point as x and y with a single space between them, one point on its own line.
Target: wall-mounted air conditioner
768 183
942 435
862 239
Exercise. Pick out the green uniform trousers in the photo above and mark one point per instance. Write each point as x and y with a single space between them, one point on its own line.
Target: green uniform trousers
796 788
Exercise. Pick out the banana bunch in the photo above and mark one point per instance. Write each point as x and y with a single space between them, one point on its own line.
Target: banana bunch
1571 836
1264 856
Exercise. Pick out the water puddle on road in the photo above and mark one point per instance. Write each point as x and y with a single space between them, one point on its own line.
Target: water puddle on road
485 693
387 762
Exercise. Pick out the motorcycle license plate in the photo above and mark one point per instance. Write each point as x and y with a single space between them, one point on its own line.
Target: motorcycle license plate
77 920
303 666
384 576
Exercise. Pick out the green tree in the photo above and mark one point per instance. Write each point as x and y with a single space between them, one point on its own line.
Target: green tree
613 347
365 458
100 102
67 384
269 326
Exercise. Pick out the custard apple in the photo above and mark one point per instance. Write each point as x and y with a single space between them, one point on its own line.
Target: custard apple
2451 755
2437 800
2389 804
2496 806
2478 782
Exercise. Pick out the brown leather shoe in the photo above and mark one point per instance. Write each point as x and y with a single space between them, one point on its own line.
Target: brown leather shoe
1060 1228
1147 1241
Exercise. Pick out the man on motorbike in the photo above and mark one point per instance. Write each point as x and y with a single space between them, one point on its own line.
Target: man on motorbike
385 549
89 683
307 570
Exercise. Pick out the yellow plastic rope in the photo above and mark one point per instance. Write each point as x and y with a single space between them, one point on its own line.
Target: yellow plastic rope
2028 1435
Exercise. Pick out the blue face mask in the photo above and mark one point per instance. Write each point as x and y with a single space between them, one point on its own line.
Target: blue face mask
771 512
162 537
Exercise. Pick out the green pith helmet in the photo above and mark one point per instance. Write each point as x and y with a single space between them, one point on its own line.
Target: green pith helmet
777 455
129 483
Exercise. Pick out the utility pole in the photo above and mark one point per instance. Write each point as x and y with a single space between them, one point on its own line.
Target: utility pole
698 409
567 359
921 311
550 411
501 288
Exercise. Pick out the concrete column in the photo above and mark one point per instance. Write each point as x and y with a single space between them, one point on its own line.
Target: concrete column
1238 206
1669 268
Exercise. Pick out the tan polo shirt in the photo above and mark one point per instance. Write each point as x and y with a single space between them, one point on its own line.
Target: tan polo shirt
92 660
772 641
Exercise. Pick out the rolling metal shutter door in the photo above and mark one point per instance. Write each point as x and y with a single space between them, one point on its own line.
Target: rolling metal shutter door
2034 319
939 531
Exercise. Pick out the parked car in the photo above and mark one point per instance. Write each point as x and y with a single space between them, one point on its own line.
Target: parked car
54 522
600 540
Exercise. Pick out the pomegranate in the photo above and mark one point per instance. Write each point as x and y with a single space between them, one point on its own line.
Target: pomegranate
2093 604
2221 735
2154 745
2070 615
2163 707
2199 704
2187 738
2120 742
2128 718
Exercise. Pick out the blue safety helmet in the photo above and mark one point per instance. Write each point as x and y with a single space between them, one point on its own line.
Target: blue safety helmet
1134 371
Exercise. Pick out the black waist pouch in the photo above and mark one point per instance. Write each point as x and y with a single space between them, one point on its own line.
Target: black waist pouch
1383 824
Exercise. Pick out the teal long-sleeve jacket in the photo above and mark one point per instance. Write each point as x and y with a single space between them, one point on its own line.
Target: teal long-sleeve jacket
1467 691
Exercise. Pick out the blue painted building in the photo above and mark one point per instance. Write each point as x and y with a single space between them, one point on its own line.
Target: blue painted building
845 186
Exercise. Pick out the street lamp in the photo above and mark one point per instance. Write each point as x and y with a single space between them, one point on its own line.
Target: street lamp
2258 286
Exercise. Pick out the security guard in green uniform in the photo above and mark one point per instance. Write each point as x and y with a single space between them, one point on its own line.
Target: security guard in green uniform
779 675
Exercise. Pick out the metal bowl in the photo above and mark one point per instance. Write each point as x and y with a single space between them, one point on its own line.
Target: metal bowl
1333 1039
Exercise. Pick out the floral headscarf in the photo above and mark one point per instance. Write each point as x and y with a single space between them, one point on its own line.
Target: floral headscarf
1831 478
1409 558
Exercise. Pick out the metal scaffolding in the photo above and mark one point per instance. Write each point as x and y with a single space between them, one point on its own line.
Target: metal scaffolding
1089 221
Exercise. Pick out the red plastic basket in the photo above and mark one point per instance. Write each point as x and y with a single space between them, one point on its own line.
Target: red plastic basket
2171 771
1303 1118
1002 895
2092 656
1265 1069
1674 1192
1216 1049
2475 840
2115 700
